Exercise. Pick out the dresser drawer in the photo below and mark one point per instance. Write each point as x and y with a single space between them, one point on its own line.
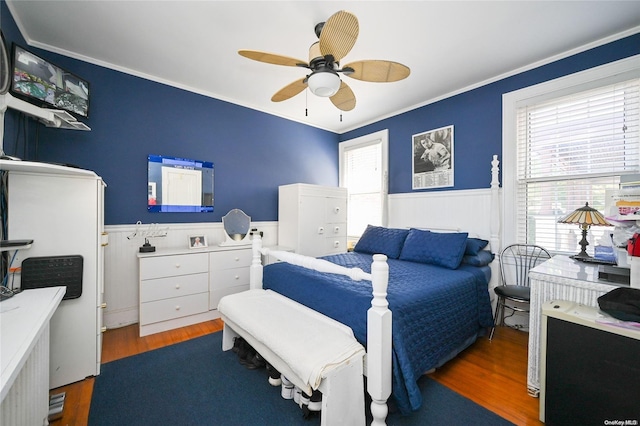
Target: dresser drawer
168 309
229 278
336 210
230 259
164 288
333 245
168 266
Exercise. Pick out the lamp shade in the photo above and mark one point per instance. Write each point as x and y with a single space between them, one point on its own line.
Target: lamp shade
586 216
324 83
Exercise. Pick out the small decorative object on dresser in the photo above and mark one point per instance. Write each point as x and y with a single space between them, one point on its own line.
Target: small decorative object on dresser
236 225
197 241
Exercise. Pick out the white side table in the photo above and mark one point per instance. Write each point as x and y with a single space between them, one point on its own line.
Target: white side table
559 278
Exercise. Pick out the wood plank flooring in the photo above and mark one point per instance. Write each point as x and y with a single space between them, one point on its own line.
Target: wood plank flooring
491 373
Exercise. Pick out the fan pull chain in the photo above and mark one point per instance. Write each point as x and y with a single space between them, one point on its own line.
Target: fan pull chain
306 103
341 117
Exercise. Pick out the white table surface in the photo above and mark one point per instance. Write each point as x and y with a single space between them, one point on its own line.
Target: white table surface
23 317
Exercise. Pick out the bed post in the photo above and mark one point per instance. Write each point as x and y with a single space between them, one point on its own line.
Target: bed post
255 270
495 206
379 363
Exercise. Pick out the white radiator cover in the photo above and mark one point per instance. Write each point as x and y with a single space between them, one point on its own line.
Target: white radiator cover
26 403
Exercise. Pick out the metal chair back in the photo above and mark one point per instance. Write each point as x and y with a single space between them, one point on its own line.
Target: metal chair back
517 260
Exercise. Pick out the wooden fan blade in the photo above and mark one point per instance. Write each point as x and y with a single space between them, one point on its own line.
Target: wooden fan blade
290 90
344 99
378 71
271 58
339 34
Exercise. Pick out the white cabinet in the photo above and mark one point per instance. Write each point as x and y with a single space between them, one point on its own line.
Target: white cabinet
312 219
61 210
181 288
559 278
24 355
229 273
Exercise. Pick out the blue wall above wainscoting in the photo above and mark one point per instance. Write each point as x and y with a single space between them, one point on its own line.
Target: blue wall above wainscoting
254 152
130 117
477 119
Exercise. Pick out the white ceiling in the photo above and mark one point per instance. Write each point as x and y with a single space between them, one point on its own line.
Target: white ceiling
450 46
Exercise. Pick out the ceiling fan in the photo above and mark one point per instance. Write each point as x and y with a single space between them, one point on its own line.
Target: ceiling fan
336 37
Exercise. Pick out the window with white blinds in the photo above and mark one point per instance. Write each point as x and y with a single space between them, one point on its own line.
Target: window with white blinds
363 171
570 150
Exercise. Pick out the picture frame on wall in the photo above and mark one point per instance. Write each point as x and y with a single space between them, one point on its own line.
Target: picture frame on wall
197 241
433 158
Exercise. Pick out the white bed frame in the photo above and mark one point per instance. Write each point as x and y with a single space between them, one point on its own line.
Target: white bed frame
378 360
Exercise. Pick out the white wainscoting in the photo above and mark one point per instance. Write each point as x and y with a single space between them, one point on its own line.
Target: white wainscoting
466 210
121 263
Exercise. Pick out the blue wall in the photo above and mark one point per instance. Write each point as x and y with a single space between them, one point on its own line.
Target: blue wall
255 152
477 119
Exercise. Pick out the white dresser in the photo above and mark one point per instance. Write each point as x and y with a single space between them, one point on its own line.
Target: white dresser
559 278
312 219
180 288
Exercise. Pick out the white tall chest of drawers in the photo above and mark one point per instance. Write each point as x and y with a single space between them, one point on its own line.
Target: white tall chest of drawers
312 219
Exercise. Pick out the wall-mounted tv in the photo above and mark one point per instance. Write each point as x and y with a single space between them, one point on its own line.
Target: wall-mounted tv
179 185
39 82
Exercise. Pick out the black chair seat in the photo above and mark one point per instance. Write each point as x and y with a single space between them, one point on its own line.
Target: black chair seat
514 292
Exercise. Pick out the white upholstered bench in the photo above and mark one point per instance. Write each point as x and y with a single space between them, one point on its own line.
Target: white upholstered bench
309 349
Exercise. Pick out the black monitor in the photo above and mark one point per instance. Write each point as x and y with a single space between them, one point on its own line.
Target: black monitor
41 83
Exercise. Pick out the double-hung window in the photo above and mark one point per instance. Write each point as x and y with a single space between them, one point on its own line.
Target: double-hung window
363 171
568 146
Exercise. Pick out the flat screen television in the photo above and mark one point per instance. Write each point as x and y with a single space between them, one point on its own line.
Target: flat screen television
39 82
179 185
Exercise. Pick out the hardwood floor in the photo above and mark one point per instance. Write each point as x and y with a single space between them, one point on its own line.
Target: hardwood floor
491 373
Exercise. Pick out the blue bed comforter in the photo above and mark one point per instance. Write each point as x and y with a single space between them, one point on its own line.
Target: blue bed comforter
436 311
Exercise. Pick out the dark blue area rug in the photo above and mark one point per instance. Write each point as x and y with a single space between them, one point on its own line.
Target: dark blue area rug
195 383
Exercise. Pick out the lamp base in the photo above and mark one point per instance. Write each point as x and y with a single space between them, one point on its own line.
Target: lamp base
581 256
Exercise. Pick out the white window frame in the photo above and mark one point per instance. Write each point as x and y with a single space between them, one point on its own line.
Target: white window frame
381 137
624 69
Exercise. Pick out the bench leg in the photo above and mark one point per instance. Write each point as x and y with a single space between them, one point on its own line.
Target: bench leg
343 395
228 337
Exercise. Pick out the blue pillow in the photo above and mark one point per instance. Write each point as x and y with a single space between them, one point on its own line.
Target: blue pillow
443 249
483 258
474 245
380 240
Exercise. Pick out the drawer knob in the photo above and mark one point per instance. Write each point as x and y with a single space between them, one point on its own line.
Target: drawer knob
177 286
337 210
237 277
177 307
177 265
321 230
336 229
237 258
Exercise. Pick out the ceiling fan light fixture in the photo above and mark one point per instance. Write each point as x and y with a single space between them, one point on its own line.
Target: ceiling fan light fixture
325 84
